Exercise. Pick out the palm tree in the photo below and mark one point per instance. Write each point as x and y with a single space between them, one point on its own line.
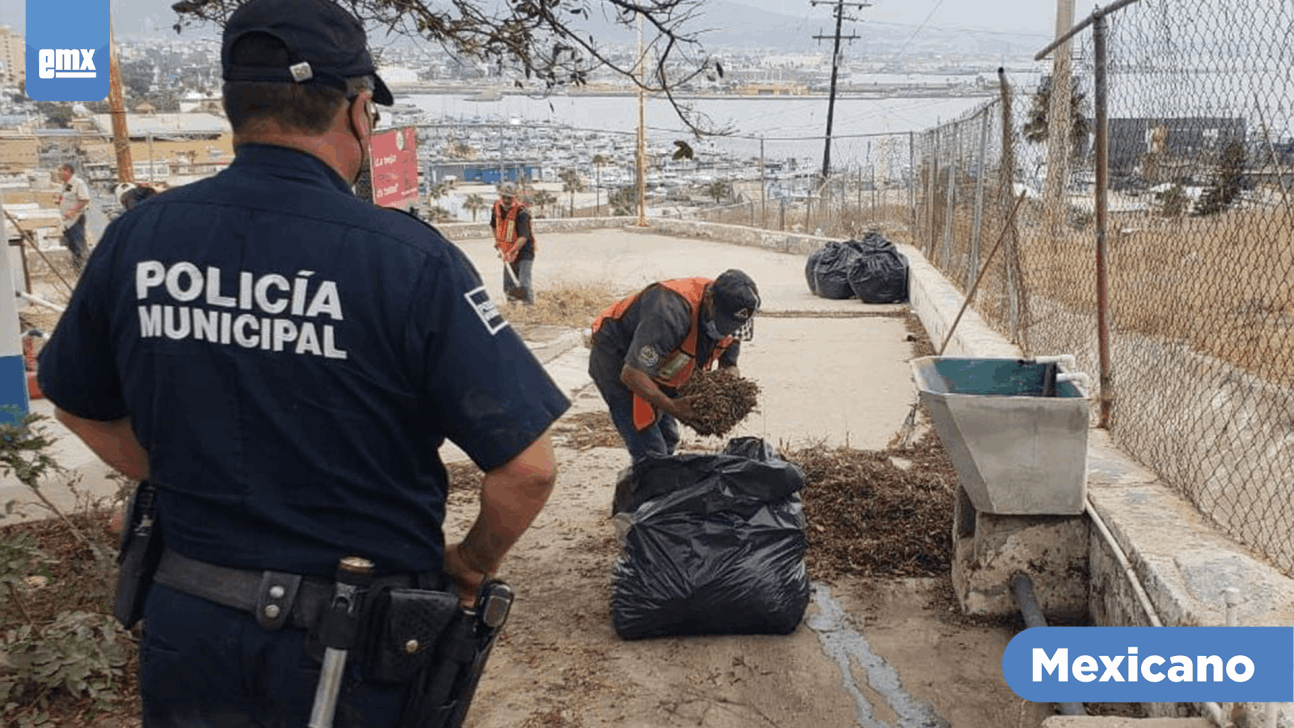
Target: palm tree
571 183
719 190
474 204
598 161
543 198
435 192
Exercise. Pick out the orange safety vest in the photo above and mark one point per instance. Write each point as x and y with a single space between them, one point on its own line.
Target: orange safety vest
505 226
680 363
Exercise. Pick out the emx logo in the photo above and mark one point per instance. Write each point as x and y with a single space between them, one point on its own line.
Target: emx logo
67 63
67 49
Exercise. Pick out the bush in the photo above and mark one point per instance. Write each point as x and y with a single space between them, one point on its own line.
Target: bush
60 649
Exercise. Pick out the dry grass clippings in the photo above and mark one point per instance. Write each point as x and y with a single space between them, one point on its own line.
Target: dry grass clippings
586 430
878 513
722 401
570 304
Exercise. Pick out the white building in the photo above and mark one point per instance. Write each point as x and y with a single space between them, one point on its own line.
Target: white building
13 58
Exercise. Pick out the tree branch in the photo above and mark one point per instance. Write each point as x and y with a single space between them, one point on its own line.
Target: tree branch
544 41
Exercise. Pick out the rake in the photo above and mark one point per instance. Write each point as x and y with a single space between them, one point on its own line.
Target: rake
907 430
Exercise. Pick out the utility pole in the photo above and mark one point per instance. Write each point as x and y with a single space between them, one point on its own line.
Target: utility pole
642 129
1059 123
839 12
117 109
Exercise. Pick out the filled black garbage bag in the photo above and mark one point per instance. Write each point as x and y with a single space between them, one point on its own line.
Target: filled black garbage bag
831 272
718 549
880 274
810 270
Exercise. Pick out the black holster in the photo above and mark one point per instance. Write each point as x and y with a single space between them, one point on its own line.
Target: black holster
138 555
423 639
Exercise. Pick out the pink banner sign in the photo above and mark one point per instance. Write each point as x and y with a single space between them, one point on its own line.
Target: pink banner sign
394 158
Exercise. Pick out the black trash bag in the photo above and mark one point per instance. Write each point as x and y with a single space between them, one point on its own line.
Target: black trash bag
831 272
719 549
880 275
810 270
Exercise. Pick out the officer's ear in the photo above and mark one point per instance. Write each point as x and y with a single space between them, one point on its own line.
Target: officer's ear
360 113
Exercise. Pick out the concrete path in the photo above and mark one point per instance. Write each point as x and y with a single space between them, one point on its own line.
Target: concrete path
829 371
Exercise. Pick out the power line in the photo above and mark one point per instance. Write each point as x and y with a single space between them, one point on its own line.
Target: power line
920 27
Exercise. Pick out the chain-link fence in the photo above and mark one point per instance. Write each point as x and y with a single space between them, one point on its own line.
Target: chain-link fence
1154 241
767 182
870 183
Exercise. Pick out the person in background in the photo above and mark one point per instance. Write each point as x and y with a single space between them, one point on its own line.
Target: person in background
515 240
283 362
646 346
72 203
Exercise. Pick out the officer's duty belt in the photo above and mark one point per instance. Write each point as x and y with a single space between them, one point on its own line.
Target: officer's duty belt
275 598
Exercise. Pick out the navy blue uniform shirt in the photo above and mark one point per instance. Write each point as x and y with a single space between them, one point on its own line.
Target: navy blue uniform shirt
291 358
656 324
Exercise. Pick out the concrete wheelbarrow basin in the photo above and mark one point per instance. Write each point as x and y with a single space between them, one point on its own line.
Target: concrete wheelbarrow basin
1015 430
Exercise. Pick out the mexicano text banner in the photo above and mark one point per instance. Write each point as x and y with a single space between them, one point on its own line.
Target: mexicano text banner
1151 664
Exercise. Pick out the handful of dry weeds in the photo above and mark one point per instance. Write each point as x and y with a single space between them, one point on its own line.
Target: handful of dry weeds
722 400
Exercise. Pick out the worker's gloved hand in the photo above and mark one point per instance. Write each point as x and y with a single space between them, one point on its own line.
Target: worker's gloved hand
683 408
511 256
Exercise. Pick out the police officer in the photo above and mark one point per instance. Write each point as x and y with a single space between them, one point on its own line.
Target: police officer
648 345
284 361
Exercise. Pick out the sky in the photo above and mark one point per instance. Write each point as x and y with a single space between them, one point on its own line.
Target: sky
1034 16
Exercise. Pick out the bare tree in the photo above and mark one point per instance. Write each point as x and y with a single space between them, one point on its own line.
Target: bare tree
546 42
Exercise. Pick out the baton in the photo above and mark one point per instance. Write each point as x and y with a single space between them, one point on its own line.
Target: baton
338 633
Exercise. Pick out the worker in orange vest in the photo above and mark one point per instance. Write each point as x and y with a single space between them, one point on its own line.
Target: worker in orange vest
515 241
648 345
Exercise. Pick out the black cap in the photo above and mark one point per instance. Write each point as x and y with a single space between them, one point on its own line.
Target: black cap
326 44
736 298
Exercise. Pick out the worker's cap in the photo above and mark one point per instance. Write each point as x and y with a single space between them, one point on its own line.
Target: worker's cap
325 44
736 299
508 191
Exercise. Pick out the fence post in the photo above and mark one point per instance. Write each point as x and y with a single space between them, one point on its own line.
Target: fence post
1007 180
977 222
933 186
951 208
860 193
875 202
1102 182
763 187
912 176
